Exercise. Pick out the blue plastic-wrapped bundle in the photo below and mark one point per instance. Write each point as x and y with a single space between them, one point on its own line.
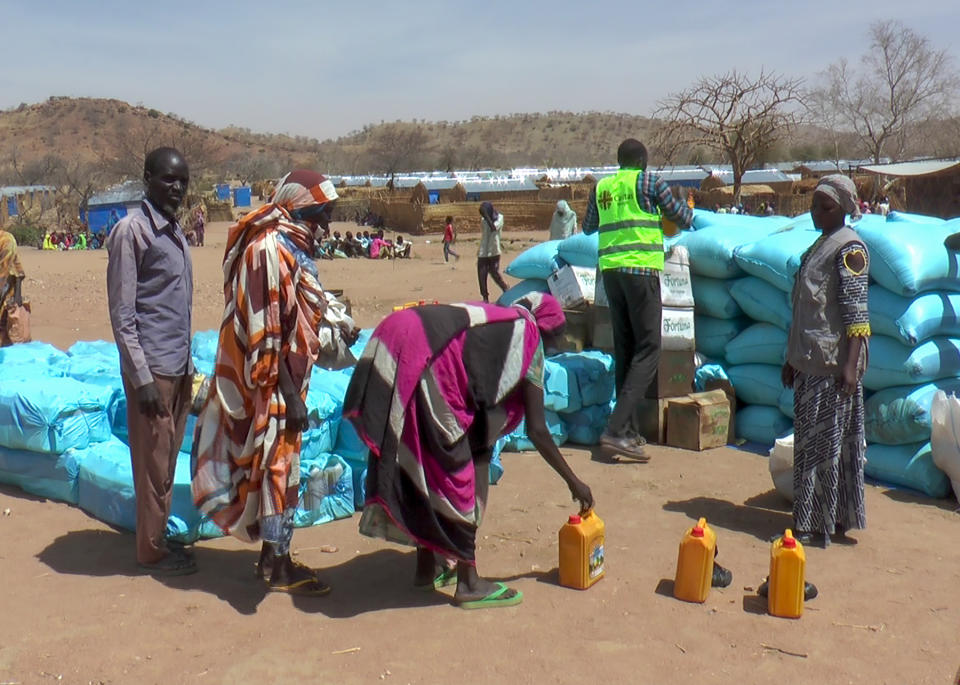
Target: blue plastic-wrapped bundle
36 354
711 297
326 490
357 347
496 464
96 362
907 258
580 249
901 415
517 441
776 258
910 466
203 347
785 403
105 490
709 374
711 247
893 363
538 261
585 426
53 476
762 301
561 393
524 287
756 383
31 360
761 343
763 425
593 372
53 414
916 319
712 335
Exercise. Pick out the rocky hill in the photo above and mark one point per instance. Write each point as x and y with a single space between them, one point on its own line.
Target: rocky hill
63 139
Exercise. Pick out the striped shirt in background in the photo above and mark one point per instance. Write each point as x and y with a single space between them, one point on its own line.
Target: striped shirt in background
652 193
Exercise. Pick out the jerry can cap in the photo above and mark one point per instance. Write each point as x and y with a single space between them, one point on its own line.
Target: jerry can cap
574 518
789 542
697 531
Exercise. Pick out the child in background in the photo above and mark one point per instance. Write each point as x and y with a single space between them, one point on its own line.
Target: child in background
448 237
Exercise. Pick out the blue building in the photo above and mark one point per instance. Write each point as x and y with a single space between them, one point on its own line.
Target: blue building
103 209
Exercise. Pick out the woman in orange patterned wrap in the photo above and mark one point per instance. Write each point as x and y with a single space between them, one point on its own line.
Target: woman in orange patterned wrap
246 449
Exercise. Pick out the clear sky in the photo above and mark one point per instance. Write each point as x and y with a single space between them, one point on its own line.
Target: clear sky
323 69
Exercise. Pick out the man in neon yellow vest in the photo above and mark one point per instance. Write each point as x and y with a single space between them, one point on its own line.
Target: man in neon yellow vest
626 209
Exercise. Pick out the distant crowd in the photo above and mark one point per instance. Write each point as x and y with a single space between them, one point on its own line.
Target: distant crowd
72 240
375 246
879 206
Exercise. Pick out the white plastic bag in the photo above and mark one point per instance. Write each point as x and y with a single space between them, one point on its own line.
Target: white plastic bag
945 436
781 466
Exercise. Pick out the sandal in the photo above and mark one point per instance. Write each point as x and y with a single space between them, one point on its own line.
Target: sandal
494 599
306 587
171 565
445 577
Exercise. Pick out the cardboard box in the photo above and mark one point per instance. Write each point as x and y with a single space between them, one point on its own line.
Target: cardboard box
699 421
651 418
573 286
676 329
675 373
676 288
576 333
727 387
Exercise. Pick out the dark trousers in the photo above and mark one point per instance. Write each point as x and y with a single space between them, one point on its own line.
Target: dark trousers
447 251
489 266
635 313
154 446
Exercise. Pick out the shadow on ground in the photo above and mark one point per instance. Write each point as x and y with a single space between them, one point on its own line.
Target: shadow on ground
754 517
378 581
605 456
227 574
910 497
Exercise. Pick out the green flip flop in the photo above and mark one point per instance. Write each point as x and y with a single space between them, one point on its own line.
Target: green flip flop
494 599
445 576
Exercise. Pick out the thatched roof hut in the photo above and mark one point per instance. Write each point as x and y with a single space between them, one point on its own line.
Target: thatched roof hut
458 193
420 195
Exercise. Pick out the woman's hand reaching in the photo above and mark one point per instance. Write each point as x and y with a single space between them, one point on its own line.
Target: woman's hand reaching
581 493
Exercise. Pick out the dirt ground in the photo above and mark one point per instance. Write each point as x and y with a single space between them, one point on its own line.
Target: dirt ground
75 610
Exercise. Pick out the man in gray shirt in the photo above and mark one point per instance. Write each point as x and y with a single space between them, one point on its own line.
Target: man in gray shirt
150 291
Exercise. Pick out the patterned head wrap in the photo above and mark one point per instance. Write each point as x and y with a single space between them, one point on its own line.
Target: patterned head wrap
298 189
841 190
303 188
546 311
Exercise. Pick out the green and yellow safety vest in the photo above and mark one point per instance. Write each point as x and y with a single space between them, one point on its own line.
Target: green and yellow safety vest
629 237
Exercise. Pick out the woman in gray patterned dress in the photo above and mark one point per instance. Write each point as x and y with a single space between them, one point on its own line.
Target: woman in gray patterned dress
826 357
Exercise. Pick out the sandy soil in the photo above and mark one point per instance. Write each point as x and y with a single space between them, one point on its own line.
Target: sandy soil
75 610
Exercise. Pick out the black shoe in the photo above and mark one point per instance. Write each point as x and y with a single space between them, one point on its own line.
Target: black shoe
809 590
722 577
629 447
803 538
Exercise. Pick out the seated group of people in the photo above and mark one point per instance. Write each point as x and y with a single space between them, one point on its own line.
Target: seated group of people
68 240
364 244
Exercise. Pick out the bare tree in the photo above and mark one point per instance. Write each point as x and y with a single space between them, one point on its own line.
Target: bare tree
77 181
902 82
396 147
733 114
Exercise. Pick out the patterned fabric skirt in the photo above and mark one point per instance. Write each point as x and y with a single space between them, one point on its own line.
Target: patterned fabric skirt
828 457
